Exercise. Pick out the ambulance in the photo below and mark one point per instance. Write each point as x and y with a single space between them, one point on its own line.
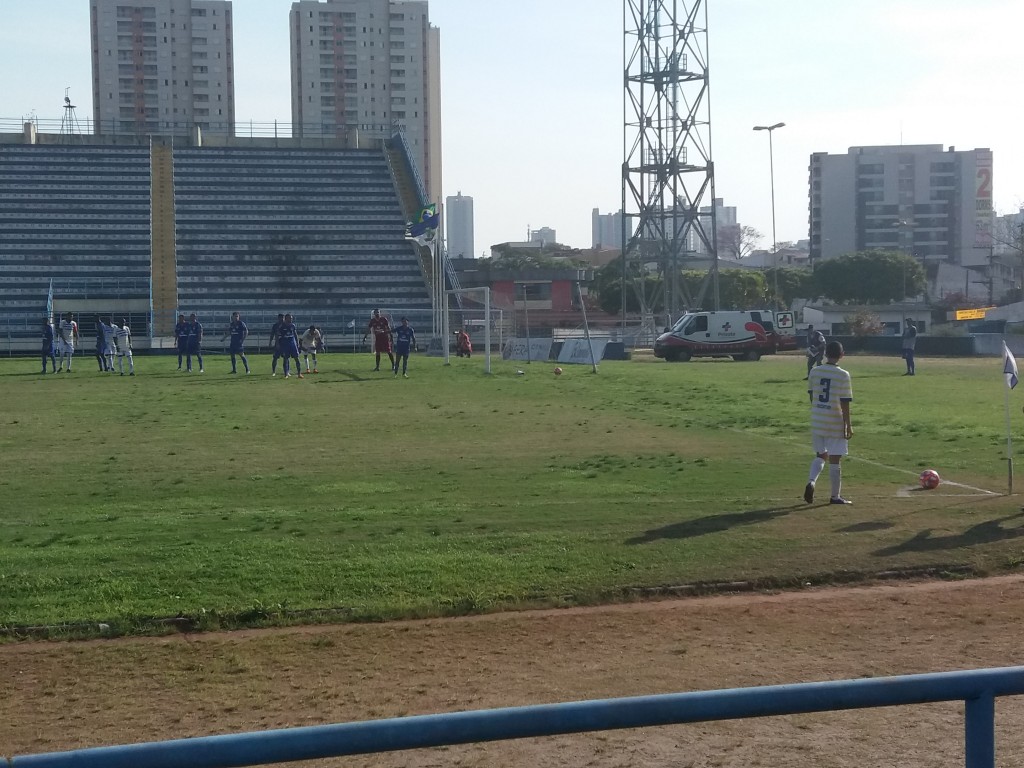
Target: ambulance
745 335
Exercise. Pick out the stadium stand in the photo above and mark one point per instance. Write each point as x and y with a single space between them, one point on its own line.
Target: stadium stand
316 231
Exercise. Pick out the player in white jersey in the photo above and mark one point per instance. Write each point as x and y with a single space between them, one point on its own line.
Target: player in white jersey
831 394
310 343
123 336
68 332
109 341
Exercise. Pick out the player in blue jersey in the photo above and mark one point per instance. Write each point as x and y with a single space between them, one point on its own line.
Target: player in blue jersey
405 341
48 346
181 337
288 336
195 342
238 331
275 343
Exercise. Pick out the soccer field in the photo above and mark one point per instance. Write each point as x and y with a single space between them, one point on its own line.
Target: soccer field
247 500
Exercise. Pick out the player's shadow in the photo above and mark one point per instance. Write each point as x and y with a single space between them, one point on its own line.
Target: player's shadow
702 526
987 532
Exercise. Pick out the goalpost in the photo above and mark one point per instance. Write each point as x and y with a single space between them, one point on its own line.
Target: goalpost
446 326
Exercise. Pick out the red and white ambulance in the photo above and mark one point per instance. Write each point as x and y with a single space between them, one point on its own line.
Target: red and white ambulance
741 335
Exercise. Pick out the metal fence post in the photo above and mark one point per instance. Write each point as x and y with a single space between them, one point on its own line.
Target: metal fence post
979 731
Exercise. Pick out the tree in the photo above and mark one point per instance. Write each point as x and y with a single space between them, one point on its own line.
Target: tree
607 285
863 323
793 283
738 241
870 277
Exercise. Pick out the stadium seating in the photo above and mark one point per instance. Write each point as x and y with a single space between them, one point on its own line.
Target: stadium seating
318 232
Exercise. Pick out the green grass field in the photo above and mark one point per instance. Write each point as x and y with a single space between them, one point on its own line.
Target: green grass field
238 501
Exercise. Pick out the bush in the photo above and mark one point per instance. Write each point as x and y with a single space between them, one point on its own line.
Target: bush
863 323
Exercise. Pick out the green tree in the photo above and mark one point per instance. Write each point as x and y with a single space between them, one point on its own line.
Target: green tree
793 282
870 277
607 285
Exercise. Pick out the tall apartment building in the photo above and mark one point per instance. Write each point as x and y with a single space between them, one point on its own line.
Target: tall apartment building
162 66
459 214
606 230
367 68
935 205
726 228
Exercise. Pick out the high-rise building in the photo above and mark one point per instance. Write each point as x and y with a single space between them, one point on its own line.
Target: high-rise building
606 230
727 231
544 236
459 215
162 66
367 68
932 204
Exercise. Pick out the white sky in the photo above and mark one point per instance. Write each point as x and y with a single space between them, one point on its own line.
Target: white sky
532 96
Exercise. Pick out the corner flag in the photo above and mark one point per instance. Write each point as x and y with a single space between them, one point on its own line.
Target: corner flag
1009 367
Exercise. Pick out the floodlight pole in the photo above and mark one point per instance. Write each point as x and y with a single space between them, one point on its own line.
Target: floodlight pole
771 167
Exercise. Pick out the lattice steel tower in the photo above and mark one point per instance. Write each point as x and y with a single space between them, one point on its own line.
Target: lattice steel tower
667 169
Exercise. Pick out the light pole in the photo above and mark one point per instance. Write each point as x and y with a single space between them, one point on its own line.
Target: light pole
775 240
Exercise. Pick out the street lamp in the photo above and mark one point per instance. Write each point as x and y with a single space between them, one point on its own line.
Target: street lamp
771 165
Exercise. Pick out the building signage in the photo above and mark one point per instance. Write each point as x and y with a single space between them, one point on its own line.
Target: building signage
971 314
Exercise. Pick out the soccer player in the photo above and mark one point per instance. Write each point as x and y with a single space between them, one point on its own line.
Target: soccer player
381 330
195 343
123 341
831 393
311 342
109 341
68 338
288 336
463 346
909 342
405 340
239 332
48 344
815 349
101 345
181 334
275 342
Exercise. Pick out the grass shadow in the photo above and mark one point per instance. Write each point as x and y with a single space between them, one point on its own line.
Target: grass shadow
703 526
988 532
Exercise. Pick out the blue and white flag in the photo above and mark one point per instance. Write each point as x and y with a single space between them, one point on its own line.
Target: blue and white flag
1009 367
423 229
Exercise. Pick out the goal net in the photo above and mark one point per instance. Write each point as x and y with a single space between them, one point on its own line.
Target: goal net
468 324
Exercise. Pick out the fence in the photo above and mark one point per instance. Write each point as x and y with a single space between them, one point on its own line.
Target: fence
977 688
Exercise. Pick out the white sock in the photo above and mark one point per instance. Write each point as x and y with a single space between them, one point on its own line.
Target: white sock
835 476
816 466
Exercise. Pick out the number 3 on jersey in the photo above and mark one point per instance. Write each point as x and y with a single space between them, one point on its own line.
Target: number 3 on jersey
826 387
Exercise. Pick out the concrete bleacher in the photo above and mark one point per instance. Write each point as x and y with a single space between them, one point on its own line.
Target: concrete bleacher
78 215
309 231
316 231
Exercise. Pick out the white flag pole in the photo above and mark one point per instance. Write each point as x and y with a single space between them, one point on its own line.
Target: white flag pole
1009 444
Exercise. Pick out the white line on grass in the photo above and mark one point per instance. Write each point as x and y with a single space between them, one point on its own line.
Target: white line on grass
980 491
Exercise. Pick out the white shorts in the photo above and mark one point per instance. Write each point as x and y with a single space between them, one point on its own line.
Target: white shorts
124 353
833 446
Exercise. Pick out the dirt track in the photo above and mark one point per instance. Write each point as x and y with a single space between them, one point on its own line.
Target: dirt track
68 695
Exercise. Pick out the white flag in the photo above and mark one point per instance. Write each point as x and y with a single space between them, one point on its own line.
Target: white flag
1009 367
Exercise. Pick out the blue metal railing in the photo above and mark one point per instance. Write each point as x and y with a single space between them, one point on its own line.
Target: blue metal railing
977 688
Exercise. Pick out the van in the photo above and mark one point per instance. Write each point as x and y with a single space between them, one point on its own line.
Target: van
741 335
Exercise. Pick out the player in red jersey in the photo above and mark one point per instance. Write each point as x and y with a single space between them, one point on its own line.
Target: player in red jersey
381 330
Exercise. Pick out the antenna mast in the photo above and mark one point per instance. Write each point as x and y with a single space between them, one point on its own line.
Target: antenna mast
69 126
667 169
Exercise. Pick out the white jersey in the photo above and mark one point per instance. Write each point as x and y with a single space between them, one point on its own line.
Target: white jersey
829 385
109 332
310 341
123 336
68 329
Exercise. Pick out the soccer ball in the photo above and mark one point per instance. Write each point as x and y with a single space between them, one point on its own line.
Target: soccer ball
558 371
930 479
